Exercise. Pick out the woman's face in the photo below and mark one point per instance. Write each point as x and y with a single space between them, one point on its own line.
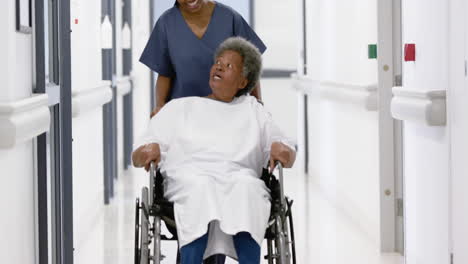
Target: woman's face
226 76
191 6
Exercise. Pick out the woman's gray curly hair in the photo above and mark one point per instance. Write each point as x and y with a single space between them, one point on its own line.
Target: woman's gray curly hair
251 58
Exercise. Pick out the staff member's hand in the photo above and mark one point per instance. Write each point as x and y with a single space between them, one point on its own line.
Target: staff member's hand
144 155
282 153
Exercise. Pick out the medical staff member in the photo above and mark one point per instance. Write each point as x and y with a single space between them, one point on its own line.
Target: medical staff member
182 45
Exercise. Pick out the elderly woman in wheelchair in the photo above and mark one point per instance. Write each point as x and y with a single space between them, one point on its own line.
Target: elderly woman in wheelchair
211 152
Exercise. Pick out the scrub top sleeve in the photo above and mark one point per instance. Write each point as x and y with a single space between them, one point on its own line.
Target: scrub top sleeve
156 53
243 29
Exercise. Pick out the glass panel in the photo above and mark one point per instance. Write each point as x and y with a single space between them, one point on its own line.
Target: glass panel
52 68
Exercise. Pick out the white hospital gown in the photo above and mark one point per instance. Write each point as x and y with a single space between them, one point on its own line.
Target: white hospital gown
212 154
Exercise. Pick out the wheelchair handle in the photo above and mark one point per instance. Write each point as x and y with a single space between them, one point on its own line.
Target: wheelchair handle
152 176
280 170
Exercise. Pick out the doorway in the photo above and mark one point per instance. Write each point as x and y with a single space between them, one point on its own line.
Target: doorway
390 130
53 153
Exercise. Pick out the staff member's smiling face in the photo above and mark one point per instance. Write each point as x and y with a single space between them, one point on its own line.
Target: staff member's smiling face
191 6
226 76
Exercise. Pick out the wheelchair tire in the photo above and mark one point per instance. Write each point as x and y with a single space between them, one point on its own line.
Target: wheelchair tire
157 240
281 242
291 230
137 232
269 257
144 219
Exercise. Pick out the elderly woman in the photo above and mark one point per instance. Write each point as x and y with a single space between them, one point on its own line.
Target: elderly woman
211 152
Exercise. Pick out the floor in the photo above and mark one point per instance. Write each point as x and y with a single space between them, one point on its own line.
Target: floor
324 235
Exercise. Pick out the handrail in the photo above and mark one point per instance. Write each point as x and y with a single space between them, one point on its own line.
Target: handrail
90 99
354 93
417 105
23 119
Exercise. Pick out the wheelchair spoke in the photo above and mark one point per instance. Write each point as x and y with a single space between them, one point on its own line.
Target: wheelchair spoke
137 232
269 255
291 231
157 257
144 252
282 243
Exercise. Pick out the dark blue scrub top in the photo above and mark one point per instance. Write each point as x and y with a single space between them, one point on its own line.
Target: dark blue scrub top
173 50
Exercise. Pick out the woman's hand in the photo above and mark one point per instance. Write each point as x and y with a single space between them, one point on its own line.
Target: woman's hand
144 155
282 153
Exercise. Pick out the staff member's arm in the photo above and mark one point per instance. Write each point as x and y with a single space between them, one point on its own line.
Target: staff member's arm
163 87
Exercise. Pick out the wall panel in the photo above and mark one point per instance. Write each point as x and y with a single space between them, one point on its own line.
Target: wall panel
426 149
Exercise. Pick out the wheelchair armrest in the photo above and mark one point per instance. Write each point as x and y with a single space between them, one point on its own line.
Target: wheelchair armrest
272 183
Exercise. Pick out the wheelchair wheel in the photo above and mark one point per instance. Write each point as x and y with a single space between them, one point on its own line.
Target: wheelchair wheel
137 232
157 257
144 220
281 242
291 230
285 249
269 257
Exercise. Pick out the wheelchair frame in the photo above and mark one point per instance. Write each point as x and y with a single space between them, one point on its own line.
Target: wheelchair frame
154 208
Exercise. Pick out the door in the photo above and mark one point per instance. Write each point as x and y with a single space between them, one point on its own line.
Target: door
390 130
54 170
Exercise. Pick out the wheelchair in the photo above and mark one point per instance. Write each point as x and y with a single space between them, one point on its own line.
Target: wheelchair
153 208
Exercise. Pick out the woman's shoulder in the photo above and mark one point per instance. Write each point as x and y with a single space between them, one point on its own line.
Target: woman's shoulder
257 106
252 101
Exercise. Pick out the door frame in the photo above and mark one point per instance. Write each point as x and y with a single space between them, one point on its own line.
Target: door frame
390 130
61 189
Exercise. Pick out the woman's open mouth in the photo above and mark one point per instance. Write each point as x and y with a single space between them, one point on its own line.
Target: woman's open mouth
216 77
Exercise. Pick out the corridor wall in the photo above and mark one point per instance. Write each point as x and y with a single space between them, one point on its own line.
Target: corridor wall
141 74
276 23
87 127
426 149
457 96
343 125
17 177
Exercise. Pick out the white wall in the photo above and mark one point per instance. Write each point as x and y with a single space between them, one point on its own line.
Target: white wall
457 109
276 24
343 137
17 180
339 32
87 143
426 149
88 197
141 74
85 44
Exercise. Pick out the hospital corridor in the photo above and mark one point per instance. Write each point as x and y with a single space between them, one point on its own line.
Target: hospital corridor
234 131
